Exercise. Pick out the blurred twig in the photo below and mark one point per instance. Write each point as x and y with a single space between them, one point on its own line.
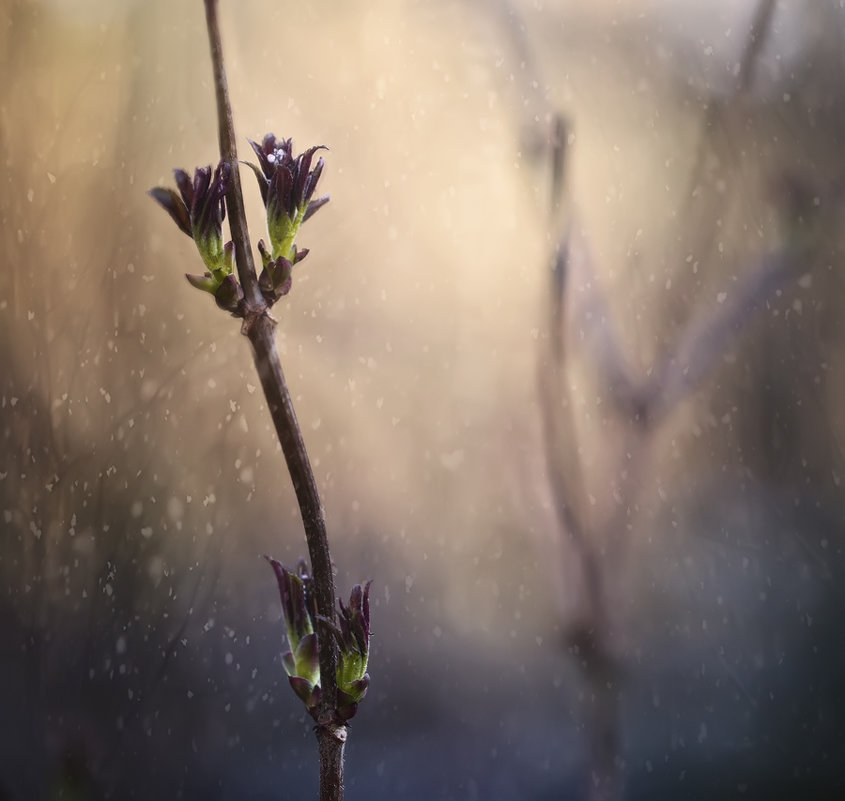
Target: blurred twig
758 33
587 637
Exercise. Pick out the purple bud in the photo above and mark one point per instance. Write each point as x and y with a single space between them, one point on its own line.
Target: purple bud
174 205
229 294
287 185
314 206
304 690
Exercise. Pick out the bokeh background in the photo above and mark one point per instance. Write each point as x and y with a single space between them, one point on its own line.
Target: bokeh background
140 480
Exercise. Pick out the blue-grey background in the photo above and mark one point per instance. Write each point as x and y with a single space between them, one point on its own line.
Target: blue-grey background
140 481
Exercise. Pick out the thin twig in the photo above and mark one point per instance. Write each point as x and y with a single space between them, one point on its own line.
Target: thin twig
708 336
758 33
229 154
587 636
259 327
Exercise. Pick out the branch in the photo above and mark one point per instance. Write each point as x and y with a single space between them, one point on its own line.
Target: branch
565 476
758 33
588 633
313 518
703 342
594 320
259 327
526 77
229 153
707 336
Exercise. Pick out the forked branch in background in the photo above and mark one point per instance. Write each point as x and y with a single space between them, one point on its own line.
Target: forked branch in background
640 403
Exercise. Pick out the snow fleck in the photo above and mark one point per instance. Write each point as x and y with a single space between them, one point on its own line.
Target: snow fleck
721 297
148 390
175 509
155 569
452 461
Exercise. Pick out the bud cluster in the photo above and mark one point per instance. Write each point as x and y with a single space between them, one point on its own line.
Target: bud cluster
287 186
351 633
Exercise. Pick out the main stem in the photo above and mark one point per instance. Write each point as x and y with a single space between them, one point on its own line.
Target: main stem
259 327
330 735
